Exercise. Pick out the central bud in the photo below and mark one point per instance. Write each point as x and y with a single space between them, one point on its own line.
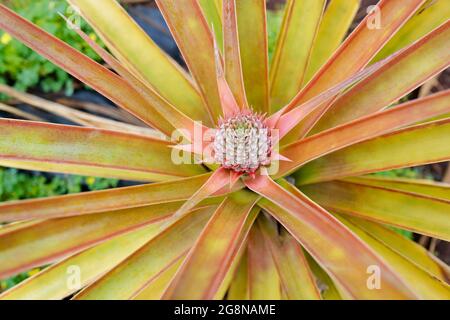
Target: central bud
242 143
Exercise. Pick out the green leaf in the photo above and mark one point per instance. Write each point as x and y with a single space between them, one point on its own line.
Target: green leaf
212 14
239 284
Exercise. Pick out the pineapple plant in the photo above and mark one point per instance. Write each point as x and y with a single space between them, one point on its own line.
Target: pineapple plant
255 176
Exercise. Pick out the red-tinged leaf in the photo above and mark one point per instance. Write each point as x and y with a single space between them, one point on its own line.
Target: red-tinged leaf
286 120
142 56
71 146
422 284
239 284
195 40
431 15
211 256
232 56
333 29
52 282
212 13
292 52
409 211
330 243
104 200
362 45
219 179
263 280
226 283
296 278
234 177
363 129
328 289
415 65
405 247
166 110
251 20
137 271
50 240
85 69
155 288
84 170
19 113
227 99
399 149
429 188
6 228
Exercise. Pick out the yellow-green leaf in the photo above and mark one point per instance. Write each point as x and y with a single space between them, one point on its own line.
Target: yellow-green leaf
108 151
292 53
210 258
418 63
332 30
432 189
421 283
60 280
251 18
49 240
160 253
195 40
408 147
142 56
406 210
405 247
432 14
263 279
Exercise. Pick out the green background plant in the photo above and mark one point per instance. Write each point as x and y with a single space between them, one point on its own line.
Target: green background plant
17 185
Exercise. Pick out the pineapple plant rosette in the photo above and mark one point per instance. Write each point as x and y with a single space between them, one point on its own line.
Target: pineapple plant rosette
258 176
